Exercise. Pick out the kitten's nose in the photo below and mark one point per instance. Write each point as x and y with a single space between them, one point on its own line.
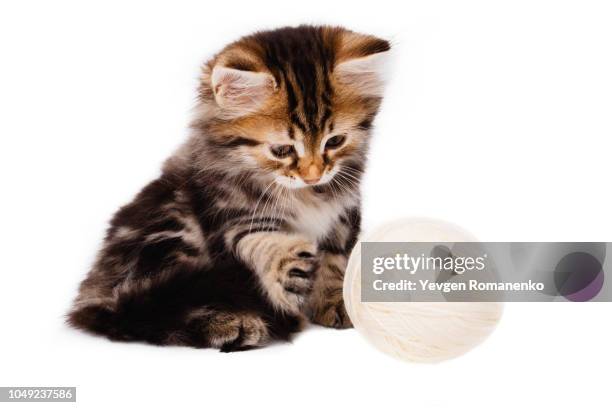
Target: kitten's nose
311 173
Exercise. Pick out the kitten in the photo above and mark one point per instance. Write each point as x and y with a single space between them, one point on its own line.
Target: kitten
246 233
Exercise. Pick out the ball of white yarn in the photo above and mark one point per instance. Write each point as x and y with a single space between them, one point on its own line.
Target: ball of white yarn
418 331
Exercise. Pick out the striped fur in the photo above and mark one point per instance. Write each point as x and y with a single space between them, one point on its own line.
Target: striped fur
245 234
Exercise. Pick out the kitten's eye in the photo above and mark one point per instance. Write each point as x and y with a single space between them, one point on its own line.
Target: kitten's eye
335 142
281 151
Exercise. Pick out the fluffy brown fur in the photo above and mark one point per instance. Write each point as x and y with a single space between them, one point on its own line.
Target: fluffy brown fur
246 233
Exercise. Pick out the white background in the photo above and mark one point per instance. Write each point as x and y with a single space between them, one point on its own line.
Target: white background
497 117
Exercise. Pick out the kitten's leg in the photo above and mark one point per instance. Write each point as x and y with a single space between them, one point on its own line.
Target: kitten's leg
227 331
153 279
172 311
285 265
326 305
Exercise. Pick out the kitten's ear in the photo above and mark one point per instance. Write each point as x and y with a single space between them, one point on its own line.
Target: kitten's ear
240 92
366 75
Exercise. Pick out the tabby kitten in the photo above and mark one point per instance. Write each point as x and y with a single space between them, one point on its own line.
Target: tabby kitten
246 233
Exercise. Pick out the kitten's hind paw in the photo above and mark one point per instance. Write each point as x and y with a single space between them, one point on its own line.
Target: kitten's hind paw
231 331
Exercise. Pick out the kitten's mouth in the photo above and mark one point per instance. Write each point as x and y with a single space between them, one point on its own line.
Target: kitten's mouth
311 182
296 183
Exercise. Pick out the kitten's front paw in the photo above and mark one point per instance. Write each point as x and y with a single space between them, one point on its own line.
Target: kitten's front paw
293 270
329 310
